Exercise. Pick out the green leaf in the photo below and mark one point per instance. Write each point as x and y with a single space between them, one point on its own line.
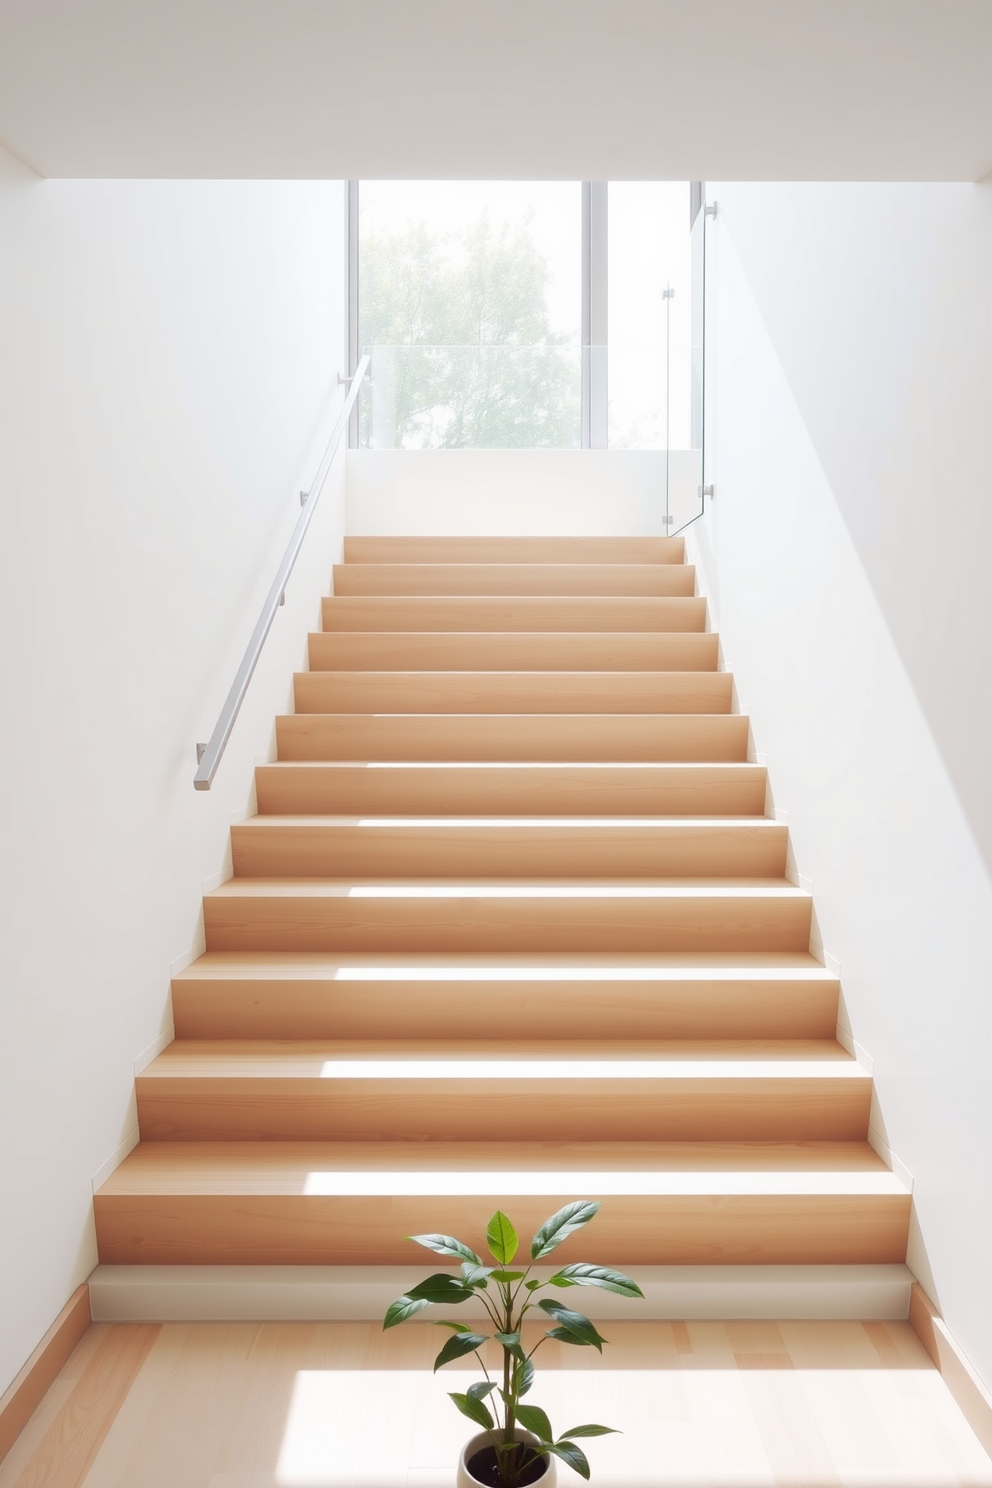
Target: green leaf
597 1276
457 1346
588 1431
447 1245
482 1389
508 1340
561 1225
523 1377
475 1275
533 1418
401 1309
573 1455
573 1322
476 1411
532 1286
507 1276
564 1336
501 1238
444 1323
441 1287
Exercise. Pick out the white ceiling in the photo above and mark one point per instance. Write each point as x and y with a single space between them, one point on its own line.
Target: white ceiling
567 89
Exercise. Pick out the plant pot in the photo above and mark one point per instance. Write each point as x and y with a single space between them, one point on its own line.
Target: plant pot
465 1479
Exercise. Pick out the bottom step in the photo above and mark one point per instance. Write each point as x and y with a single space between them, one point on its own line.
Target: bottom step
362 1293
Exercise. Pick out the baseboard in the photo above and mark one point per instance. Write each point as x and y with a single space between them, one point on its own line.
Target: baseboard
26 1391
973 1399
115 1159
362 1293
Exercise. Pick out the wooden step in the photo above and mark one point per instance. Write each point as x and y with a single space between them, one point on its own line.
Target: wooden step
351 1204
514 549
313 915
508 847
331 788
575 651
494 1089
267 995
514 578
542 613
513 692
613 738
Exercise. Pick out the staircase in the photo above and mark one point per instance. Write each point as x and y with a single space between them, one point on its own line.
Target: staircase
510 928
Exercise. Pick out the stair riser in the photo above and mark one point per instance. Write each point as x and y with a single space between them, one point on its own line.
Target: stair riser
568 790
128 1294
330 651
505 579
678 613
711 1109
633 738
306 923
268 850
226 1229
513 692
514 549
295 1009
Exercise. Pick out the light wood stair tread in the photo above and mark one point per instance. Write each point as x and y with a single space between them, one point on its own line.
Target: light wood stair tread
272 822
473 847
617 790
377 1058
530 651
580 888
444 996
631 965
507 579
600 613
286 1167
578 737
513 692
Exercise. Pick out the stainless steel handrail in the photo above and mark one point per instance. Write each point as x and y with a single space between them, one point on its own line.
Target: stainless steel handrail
210 755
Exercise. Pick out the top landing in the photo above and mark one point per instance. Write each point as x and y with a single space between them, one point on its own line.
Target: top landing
421 549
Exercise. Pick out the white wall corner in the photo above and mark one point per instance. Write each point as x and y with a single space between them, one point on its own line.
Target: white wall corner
115 1159
846 1039
152 1050
223 874
792 874
877 1141
778 813
187 958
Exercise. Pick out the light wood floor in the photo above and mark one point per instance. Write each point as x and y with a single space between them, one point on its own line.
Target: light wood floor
340 1405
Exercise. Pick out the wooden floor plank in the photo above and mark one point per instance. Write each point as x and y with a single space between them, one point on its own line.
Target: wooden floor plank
64 1455
300 1405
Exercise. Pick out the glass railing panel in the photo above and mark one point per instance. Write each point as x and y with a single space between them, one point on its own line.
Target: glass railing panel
472 397
638 393
530 397
692 500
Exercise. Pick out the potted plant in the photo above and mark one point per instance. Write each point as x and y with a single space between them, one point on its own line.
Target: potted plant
516 1446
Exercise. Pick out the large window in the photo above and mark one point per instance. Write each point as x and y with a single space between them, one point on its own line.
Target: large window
470 299
524 314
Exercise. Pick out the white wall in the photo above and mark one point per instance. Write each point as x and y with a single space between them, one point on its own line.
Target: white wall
847 555
513 492
169 356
